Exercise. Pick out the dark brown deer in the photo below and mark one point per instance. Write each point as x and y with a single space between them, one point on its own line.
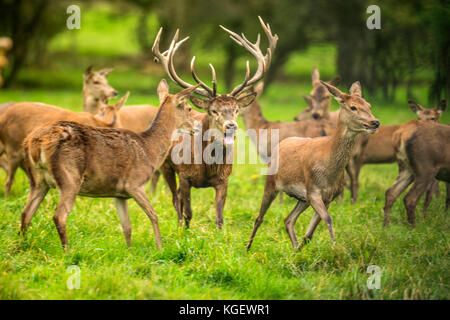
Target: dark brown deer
221 114
423 155
96 89
312 170
22 118
98 162
380 148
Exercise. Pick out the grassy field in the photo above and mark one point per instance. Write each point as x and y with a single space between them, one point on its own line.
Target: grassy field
202 262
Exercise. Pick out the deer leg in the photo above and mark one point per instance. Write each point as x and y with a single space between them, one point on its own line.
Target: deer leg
437 191
169 176
154 182
13 164
37 194
311 228
270 194
185 195
141 199
353 175
289 222
404 179
413 196
3 162
122 211
315 199
65 204
447 198
221 195
429 196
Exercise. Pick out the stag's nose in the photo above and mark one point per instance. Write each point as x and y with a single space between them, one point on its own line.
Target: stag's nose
230 126
315 116
375 123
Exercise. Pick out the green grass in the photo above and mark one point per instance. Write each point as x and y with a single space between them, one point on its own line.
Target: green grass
204 263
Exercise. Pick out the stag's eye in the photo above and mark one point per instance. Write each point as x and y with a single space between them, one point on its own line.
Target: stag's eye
353 108
214 112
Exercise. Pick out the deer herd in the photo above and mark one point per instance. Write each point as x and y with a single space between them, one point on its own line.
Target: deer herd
114 151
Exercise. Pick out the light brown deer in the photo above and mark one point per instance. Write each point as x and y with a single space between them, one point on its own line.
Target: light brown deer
221 114
380 148
423 155
22 118
99 162
312 170
96 89
319 101
3 159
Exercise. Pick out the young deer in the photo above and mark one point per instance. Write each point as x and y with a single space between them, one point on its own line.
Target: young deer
380 147
21 119
96 89
221 114
423 155
312 170
99 162
319 101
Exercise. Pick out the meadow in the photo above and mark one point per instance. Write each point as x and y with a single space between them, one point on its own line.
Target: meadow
203 262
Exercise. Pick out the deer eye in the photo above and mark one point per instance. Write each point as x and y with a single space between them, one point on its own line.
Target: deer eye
96 82
214 112
432 119
353 108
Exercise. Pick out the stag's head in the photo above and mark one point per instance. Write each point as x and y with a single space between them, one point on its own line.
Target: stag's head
319 101
222 109
96 85
354 111
108 112
425 114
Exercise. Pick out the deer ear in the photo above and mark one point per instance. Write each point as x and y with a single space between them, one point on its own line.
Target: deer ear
122 101
335 92
105 72
183 95
308 100
163 90
315 75
442 106
259 88
200 103
246 100
88 72
416 108
335 81
355 89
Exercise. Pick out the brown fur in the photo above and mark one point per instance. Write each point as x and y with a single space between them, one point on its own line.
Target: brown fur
96 89
380 148
22 118
423 155
312 170
98 162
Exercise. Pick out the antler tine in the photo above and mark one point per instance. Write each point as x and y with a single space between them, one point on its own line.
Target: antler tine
166 60
239 88
197 79
214 80
273 39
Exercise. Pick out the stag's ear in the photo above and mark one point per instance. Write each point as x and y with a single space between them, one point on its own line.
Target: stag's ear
315 75
105 72
200 103
259 88
308 100
335 92
246 100
355 89
416 108
122 101
163 90
442 106
335 81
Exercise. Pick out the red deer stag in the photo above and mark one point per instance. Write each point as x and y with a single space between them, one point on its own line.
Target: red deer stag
312 170
221 114
98 162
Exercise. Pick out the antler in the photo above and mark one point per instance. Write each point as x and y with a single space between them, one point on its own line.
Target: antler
253 48
166 60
